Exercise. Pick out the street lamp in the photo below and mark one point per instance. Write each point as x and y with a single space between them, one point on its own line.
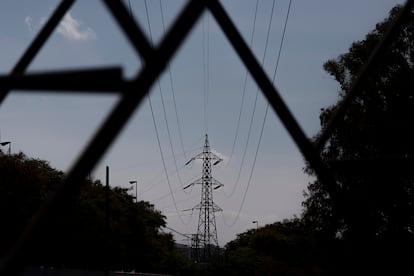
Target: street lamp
5 144
257 224
136 189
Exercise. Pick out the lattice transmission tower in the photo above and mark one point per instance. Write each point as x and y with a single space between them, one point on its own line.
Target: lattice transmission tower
205 241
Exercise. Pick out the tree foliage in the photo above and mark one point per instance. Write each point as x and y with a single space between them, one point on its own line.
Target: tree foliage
281 248
83 235
371 154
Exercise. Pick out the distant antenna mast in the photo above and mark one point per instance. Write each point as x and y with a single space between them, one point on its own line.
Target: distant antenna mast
206 237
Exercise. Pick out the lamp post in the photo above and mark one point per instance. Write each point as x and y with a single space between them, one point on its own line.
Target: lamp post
257 224
136 189
5 144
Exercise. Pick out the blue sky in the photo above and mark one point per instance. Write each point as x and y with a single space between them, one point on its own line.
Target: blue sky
57 127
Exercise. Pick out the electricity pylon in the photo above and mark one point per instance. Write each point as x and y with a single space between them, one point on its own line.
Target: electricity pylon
206 237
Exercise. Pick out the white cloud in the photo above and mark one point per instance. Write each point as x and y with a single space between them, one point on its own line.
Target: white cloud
29 22
69 27
221 155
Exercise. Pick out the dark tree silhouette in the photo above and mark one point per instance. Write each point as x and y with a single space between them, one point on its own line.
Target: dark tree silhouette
280 248
371 154
79 235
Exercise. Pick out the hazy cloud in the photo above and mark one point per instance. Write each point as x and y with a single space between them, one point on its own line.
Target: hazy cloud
221 155
29 23
69 27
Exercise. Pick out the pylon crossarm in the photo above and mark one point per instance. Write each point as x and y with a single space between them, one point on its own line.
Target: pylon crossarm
197 207
218 161
214 157
216 183
189 161
198 181
198 156
188 186
216 208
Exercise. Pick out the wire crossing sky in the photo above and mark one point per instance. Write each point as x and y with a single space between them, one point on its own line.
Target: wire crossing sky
204 89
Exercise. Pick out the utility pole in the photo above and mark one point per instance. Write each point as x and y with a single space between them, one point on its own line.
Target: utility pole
205 240
107 190
136 189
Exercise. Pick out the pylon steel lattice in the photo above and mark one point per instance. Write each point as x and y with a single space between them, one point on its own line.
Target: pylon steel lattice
206 238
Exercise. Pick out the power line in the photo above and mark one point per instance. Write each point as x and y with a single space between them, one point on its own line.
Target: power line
281 41
163 161
265 116
207 67
205 57
254 106
170 214
172 89
163 104
156 128
183 200
244 86
151 183
158 199
184 235
151 186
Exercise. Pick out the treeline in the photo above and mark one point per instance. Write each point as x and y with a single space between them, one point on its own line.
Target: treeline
83 234
281 248
370 206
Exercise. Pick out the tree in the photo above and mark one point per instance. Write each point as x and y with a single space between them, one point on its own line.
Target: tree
80 237
281 248
371 155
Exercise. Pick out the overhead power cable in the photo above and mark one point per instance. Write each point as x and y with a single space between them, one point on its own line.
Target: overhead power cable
163 163
244 86
150 185
184 235
206 65
254 105
172 88
176 190
265 116
156 128
180 201
156 180
159 178
163 104
187 214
